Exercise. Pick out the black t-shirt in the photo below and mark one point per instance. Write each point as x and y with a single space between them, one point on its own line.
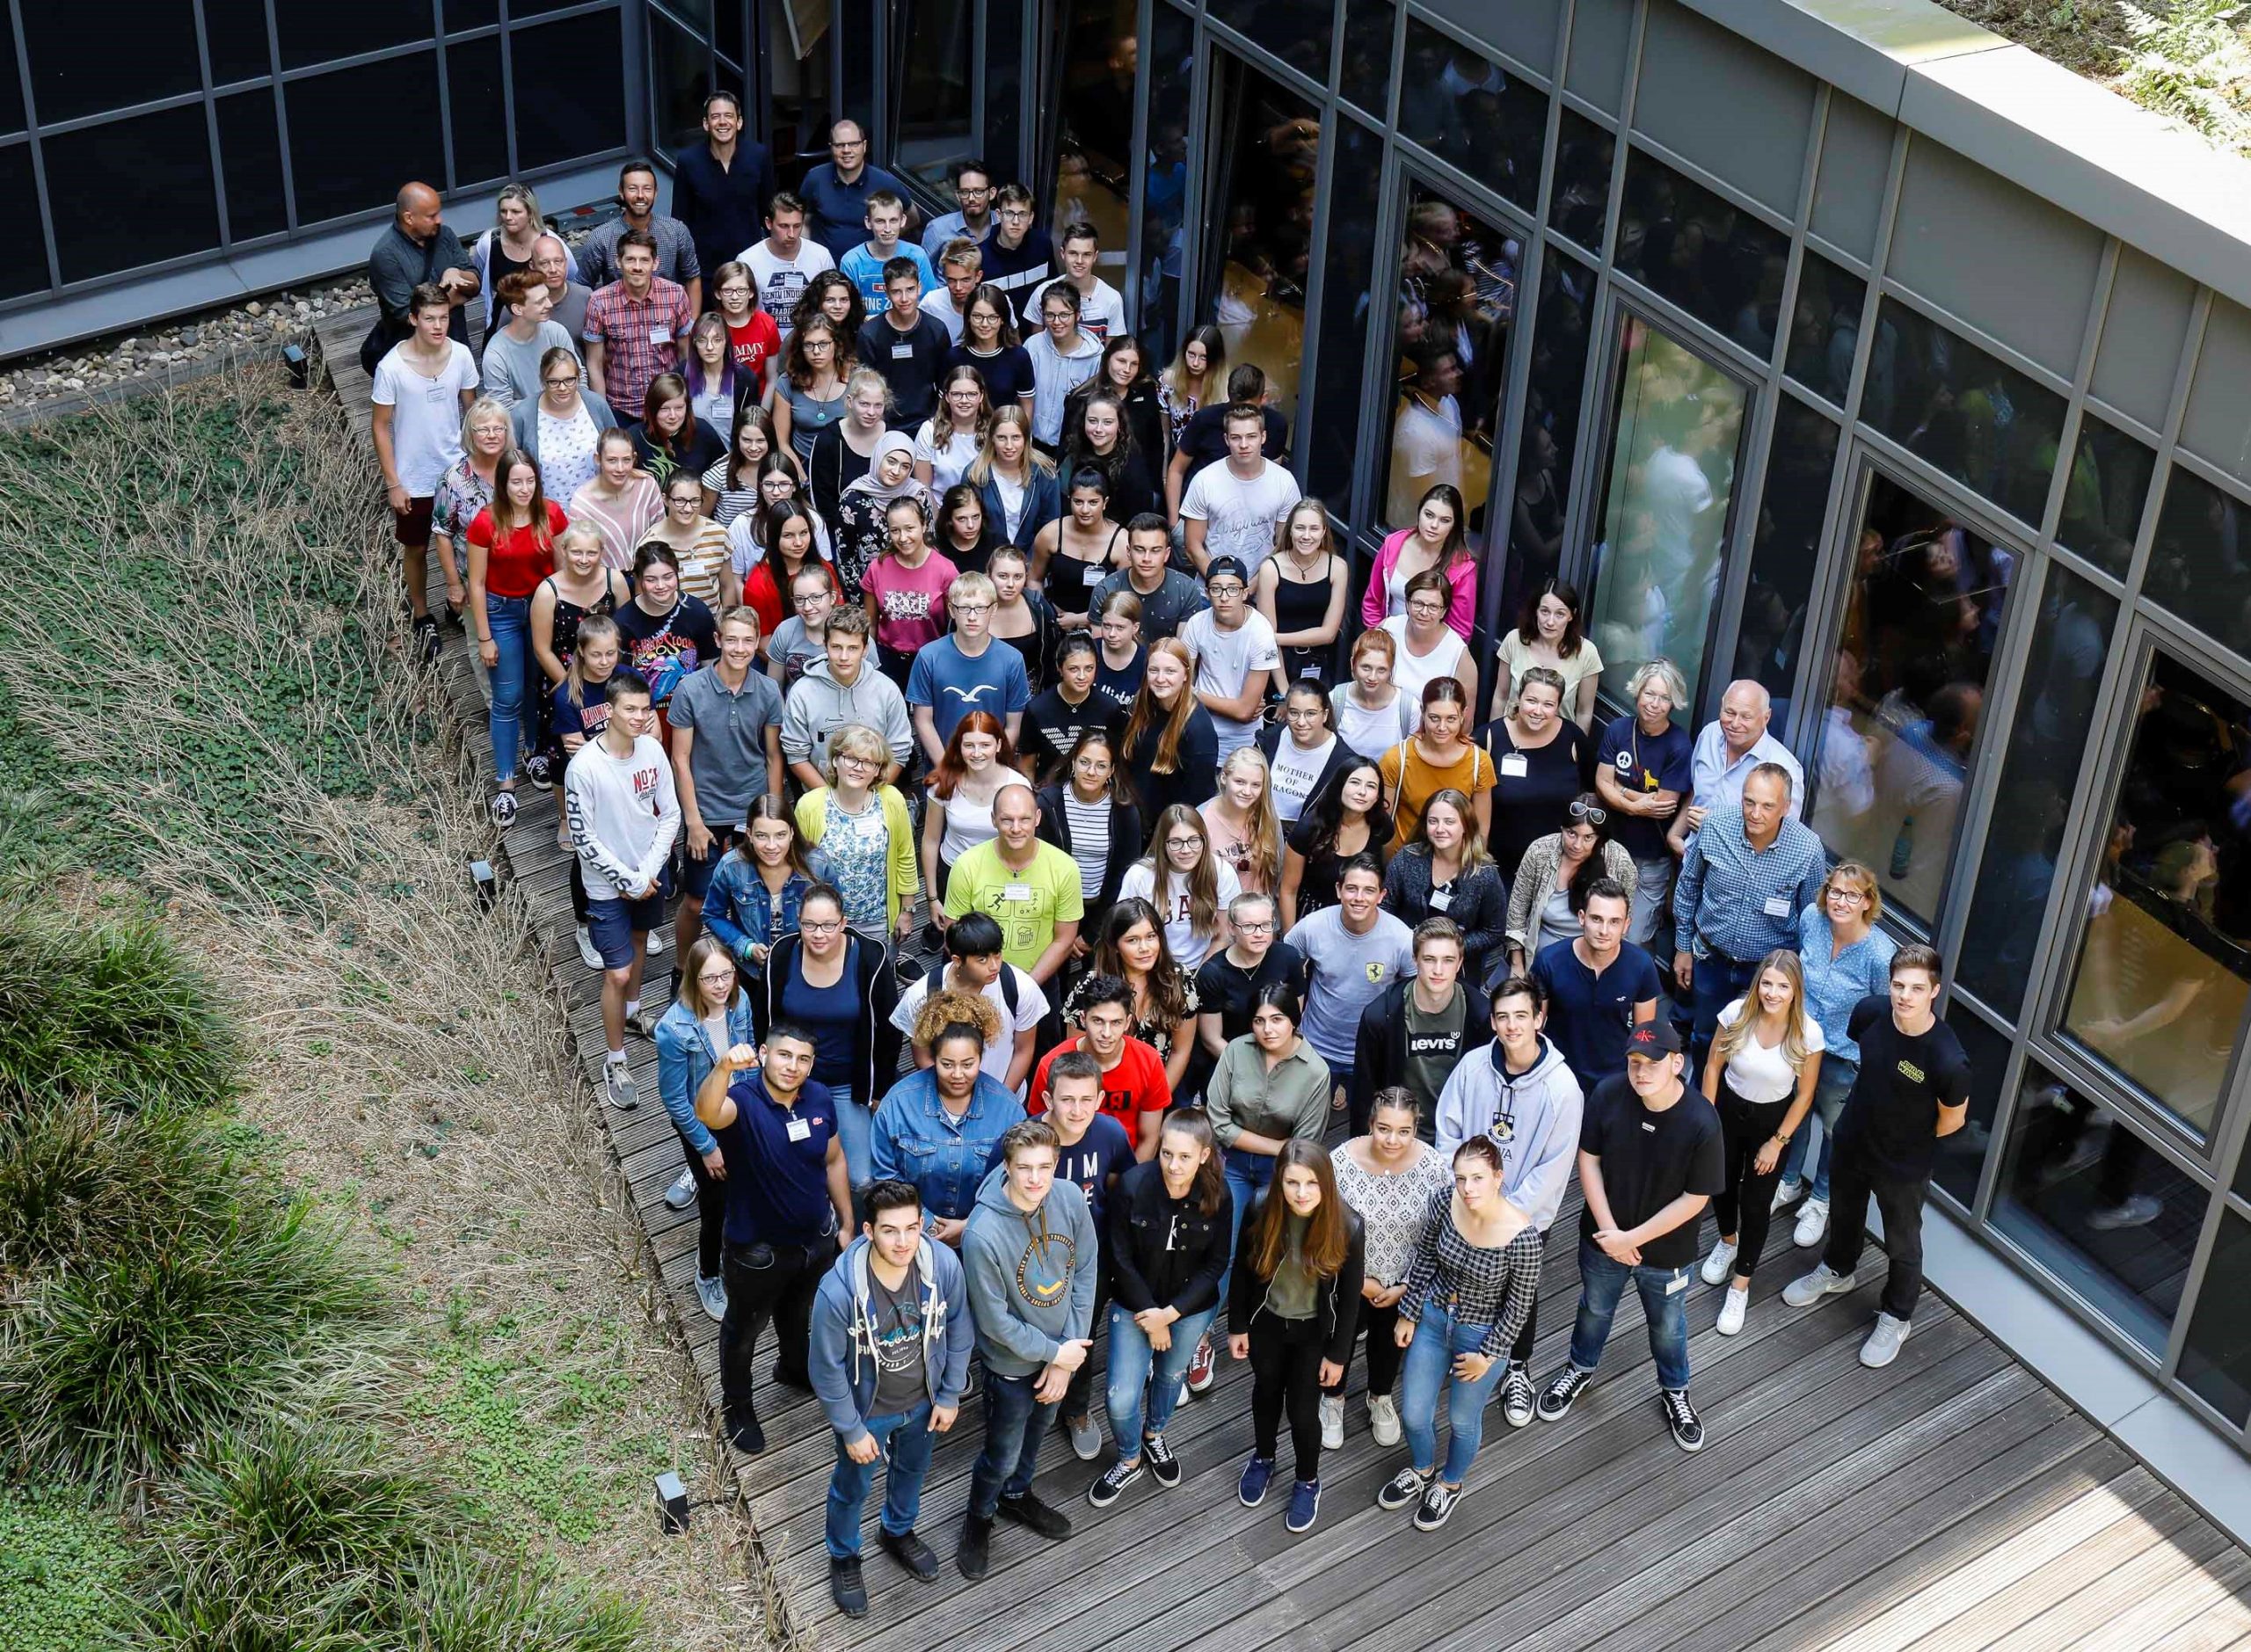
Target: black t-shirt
1651 1159
1051 726
1891 1117
1230 989
666 648
910 362
1204 440
1531 790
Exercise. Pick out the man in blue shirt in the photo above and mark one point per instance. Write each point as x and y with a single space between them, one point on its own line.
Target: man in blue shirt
789 1208
1600 987
1730 749
720 187
835 193
972 187
967 671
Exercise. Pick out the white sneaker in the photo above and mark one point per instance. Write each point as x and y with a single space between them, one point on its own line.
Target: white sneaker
1731 1310
1786 1193
1882 1345
1805 1291
1717 1265
1812 1224
1332 1423
587 955
656 942
1383 1420
682 1193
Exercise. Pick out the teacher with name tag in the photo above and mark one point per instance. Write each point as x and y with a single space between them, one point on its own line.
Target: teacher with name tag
1031 888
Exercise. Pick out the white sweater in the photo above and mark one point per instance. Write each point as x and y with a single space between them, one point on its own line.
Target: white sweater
624 815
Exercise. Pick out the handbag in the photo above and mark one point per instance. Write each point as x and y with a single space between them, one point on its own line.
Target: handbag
386 331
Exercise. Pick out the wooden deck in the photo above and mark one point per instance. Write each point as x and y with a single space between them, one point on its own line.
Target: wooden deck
1953 1501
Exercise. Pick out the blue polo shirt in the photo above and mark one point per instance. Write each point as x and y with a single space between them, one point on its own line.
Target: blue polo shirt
777 1181
1589 1017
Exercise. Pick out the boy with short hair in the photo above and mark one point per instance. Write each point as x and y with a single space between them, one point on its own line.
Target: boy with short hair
866 266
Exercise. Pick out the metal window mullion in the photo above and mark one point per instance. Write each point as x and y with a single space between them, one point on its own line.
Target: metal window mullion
1712 183
1210 66
1709 339
1852 262
445 101
2123 422
1137 181
1264 60
1493 55
2226 1154
1437 173
280 114
31 139
1326 118
110 117
2007 354
211 128
1635 32
508 85
1379 383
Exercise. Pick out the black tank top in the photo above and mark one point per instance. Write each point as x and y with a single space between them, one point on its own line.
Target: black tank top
1301 605
563 639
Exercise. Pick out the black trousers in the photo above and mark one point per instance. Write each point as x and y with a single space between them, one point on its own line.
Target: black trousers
769 1283
711 1214
1079 1397
1745 1208
1385 1355
1520 1354
1852 1181
1286 1376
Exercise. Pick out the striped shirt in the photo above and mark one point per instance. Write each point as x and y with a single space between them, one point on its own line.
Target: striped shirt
1744 902
1090 823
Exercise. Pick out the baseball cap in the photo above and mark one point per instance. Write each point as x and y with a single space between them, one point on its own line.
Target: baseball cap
1653 1039
1220 565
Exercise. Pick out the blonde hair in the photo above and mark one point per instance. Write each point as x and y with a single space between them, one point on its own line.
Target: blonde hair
1736 1033
1150 717
579 533
1474 852
858 740
1265 824
1036 464
1857 873
974 585
945 1009
486 407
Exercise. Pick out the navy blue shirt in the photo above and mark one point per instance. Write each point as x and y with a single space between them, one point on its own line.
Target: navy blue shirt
1589 1017
838 211
832 1015
777 1179
1641 764
723 207
1089 1163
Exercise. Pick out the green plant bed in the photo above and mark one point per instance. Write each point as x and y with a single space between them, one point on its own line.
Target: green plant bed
62 1570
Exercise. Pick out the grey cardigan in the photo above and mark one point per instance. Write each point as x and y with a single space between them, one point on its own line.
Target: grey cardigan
523 420
1535 875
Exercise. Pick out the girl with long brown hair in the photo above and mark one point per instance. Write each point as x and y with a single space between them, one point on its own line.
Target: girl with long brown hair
1132 948
1187 883
1245 828
1171 748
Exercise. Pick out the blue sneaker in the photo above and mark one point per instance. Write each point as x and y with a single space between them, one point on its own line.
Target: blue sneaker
1256 1473
1305 1503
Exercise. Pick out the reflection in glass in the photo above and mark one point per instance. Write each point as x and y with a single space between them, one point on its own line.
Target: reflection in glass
250 164
2200 562
1164 186
480 119
73 77
2099 1207
331 166
2104 496
1785 549
679 75
1555 385
934 55
2215 1354
1674 430
1457 302
2162 974
1826 328
1463 108
593 118
1922 618
1366 76
1297 31
1578 201
1094 152
1703 252
2048 749
1332 435
1961 1158
1980 421
799 42
1268 143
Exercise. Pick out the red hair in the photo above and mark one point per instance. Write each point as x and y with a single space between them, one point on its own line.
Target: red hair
947 773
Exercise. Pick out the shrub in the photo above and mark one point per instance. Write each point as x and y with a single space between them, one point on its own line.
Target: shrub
471 1605
78 1184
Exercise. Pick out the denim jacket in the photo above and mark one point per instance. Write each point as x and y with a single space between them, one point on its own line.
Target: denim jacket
738 911
916 1141
685 1058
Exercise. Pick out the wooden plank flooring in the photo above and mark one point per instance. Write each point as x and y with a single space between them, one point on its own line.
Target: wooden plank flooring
1953 1501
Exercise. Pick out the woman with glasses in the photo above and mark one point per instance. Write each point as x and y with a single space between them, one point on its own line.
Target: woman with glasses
1446 873
803 637
952 438
711 1016
1301 751
754 337
1187 883
790 550
706 569
1428 648
1548 893
465 489
1539 762
861 838
1089 814
990 344
562 427
1644 772
1300 591
808 394
839 988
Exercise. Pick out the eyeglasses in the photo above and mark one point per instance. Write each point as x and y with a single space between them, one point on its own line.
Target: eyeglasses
1224 588
1426 608
814 927
811 599
557 384
1183 843
970 610
1590 814
852 762
718 979
1850 897
1266 928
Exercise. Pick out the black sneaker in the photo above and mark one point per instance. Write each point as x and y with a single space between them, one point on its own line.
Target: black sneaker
1680 1416
846 1587
1161 1463
1034 1515
539 768
1401 1488
1517 1399
1110 1485
974 1557
911 1553
743 1433
503 808
425 640
1439 1499
1555 1398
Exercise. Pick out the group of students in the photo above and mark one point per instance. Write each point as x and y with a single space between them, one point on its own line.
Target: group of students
1201 898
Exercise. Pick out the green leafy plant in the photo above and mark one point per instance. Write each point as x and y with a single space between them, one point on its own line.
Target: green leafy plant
62 1565
78 1183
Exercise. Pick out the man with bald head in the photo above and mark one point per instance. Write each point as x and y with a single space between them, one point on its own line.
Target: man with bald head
552 264
835 193
1730 746
1032 888
418 246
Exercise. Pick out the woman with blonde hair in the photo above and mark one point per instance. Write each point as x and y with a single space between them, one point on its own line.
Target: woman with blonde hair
508 247
861 838
1171 748
467 488
1017 483
1761 1075
1643 769
1299 590
1187 883
1246 833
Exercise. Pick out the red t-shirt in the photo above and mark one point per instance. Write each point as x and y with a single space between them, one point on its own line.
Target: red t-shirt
757 591
515 564
1135 1085
756 343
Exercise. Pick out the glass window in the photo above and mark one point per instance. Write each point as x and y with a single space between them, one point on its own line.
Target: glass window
561 111
680 78
1457 303
1297 31
2042 774
1555 386
519 10
334 168
1825 329
2104 494
1366 76
2200 561
320 32
1703 252
72 75
1961 1158
2104 1211
934 47
1004 102
1094 154
25 271
480 111
1164 186
1923 615
2161 978
1332 435
234 33
1786 547
2216 1354
131 192
1981 422
11 87
462 16
1266 147
799 43
1579 202
249 163
1675 425
1464 108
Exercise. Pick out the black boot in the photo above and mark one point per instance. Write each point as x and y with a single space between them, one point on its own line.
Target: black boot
845 1586
974 1557
743 1431
1032 1513
911 1553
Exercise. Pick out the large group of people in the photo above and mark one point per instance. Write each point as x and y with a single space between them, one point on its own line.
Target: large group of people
841 578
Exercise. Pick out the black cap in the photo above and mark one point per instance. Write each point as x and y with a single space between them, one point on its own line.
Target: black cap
1653 1039
1220 565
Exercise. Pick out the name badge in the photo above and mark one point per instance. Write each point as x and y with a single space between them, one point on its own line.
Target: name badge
1778 906
1442 900
660 335
1680 1283
440 394
902 352
1016 891
800 1130
1311 671
1514 767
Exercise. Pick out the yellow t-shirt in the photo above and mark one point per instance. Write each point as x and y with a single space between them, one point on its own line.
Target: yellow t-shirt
1029 904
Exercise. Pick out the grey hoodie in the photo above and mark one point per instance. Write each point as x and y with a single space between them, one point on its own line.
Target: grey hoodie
1533 1117
1032 1277
819 705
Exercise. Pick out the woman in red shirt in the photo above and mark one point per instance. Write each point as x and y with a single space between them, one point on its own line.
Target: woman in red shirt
511 550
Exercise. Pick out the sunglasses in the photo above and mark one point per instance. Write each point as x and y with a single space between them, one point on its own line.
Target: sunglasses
1590 814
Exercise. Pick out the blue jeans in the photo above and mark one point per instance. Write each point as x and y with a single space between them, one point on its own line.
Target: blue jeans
906 1440
1013 1425
1829 1092
1665 1303
1438 1337
1719 982
1246 1175
509 620
1138 1371
856 1129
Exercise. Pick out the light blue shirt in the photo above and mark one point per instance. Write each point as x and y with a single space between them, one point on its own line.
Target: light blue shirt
1743 902
947 226
1719 783
862 267
1834 985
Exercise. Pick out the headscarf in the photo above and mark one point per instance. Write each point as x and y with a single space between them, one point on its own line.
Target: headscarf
871 484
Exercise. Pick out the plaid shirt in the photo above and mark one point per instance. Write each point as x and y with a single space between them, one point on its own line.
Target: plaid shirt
1744 902
626 327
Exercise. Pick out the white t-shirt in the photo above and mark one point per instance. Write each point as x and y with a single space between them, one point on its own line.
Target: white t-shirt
425 415
1225 663
1189 949
780 285
939 303
949 462
1240 517
1409 673
1372 734
1296 773
1031 1006
1101 313
1759 1074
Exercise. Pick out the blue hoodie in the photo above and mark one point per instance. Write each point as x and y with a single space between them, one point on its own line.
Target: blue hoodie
912 1138
843 1334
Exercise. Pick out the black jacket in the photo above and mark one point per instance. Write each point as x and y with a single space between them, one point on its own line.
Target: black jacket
1125 845
1337 1300
1268 741
874 1041
1163 1252
1380 1051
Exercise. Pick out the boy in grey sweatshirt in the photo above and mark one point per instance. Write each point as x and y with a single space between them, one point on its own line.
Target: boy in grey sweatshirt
1029 1250
844 688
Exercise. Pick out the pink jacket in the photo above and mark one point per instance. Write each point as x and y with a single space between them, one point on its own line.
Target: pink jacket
1460 614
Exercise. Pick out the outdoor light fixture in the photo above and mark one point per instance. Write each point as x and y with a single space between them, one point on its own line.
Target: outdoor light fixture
294 358
486 882
672 1505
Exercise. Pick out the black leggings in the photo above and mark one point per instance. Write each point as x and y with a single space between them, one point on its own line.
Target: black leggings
1385 1354
1286 1375
711 1214
1745 1207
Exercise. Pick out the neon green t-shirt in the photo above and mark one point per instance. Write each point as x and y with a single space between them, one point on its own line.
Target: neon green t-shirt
1029 904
